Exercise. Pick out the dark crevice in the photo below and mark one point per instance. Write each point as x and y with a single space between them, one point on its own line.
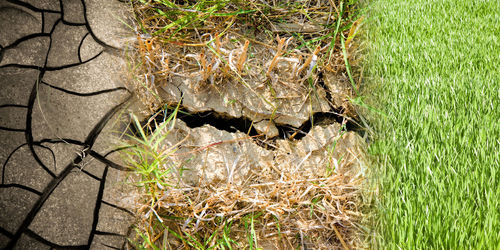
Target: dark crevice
5 232
94 133
39 238
320 118
52 154
31 7
109 163
84 94
321 83
28 132
13 106
73 24
89 142
117 207
14 185
25 38
112 247
12 129
244 124
38 205
218 121
195 120
46 68
86 150
21 66
109 233
8 158
89 174
73 64
43 22
80 47
99 41
97 207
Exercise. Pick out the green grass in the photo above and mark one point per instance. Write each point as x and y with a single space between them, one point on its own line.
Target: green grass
436 66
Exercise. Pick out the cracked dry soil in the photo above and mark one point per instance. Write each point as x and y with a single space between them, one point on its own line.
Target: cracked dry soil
60 94
251 114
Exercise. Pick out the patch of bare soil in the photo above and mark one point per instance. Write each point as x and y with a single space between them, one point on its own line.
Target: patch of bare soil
265 149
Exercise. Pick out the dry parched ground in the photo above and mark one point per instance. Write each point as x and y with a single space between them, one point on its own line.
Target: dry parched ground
256 144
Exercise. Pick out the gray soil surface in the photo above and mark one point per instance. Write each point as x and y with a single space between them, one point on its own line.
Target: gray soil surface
61 91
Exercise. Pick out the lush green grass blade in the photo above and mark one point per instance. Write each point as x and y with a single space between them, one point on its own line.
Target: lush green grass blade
239 12
160 133
347 65
141 131
437 65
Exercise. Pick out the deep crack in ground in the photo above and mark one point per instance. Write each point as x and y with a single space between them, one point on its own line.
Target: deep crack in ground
245 125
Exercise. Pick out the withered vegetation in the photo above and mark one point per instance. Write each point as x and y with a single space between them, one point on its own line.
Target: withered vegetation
283 53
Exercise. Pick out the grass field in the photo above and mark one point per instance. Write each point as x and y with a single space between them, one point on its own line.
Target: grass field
435 66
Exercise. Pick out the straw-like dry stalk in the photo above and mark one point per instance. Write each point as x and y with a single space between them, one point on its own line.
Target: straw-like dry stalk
309 60
243 56
281 43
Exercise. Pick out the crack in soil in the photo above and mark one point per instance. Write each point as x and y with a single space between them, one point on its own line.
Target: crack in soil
245 124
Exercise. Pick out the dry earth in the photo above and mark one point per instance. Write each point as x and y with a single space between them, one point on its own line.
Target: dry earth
266 127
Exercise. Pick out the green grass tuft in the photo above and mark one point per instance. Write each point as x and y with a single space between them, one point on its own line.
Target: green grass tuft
436 66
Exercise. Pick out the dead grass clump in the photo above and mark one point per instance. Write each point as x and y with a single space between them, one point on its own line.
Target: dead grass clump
216 44
280 52
282 204
287 201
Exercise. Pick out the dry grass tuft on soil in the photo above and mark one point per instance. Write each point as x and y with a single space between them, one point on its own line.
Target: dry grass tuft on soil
310 196
283 55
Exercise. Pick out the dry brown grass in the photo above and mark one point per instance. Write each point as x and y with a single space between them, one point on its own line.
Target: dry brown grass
278 205
294 201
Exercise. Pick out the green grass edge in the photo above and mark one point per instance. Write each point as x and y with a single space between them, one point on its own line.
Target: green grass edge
433 67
